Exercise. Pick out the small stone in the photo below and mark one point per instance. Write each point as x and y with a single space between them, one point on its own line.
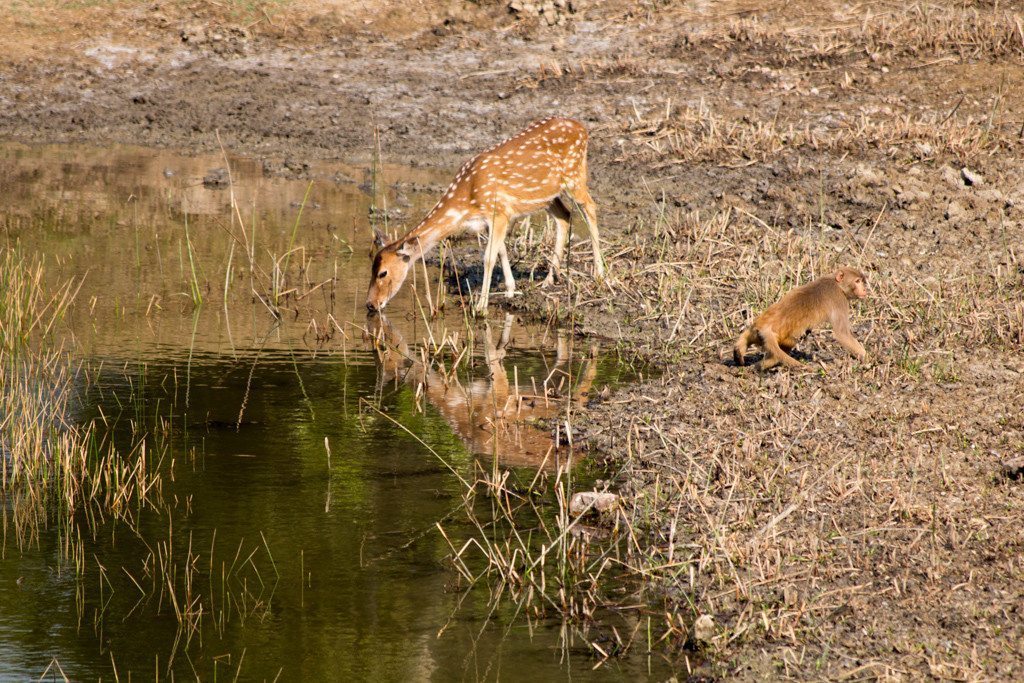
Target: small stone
951 177
970 177
217 177
993 195
193 34
954 211
516 5
1014 468
704 628
924 150
592 500
869 176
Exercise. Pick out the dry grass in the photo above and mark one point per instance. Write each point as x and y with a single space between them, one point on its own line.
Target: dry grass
880 30
54 470
698 280
850 520
688 134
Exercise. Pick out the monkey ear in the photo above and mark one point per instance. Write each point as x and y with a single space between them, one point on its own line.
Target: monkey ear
379 238
839 276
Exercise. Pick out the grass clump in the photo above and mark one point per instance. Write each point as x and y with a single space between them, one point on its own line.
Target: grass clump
53 467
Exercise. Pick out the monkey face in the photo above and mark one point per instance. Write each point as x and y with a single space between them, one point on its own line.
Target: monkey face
852 282
390 268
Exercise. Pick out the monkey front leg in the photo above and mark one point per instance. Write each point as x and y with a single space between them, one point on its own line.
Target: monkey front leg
855 348
841 331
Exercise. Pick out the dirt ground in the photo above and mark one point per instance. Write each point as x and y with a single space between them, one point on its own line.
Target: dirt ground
851 521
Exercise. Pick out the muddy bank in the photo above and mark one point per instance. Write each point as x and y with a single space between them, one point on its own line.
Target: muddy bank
437 85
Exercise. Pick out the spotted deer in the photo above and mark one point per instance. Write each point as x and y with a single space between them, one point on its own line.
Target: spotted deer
541 167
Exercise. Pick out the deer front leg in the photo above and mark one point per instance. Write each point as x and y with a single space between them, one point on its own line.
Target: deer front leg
495 243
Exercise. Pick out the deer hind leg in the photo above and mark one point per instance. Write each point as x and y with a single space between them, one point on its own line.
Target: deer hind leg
506 269
561 215
495 244
589 208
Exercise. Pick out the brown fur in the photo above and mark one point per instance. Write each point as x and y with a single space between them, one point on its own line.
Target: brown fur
779 328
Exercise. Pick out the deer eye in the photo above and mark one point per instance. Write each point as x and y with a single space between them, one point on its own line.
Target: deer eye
382 274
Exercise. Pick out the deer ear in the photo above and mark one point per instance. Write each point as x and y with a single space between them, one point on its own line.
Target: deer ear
379 238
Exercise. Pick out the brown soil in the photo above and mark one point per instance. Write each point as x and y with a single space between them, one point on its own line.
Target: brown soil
851 521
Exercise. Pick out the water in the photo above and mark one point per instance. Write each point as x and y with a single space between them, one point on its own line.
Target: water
306 460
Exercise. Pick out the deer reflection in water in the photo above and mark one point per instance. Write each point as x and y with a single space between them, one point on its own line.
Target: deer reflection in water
492 415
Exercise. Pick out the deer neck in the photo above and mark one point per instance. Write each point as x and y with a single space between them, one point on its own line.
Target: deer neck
442 221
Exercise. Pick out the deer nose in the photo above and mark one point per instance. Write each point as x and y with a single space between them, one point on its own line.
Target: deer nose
370 307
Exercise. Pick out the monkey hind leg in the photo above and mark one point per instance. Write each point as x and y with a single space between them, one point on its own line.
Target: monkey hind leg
748 337
774 353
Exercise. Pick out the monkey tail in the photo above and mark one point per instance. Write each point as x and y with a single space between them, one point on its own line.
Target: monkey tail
740 350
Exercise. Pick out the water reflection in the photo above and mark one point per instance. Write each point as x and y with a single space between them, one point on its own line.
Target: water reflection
500 413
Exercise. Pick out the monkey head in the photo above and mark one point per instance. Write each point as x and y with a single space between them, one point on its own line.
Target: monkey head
853 283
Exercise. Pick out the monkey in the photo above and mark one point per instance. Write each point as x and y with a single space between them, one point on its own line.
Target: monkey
778 329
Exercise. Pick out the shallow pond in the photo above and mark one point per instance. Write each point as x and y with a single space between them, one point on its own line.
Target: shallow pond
305 454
